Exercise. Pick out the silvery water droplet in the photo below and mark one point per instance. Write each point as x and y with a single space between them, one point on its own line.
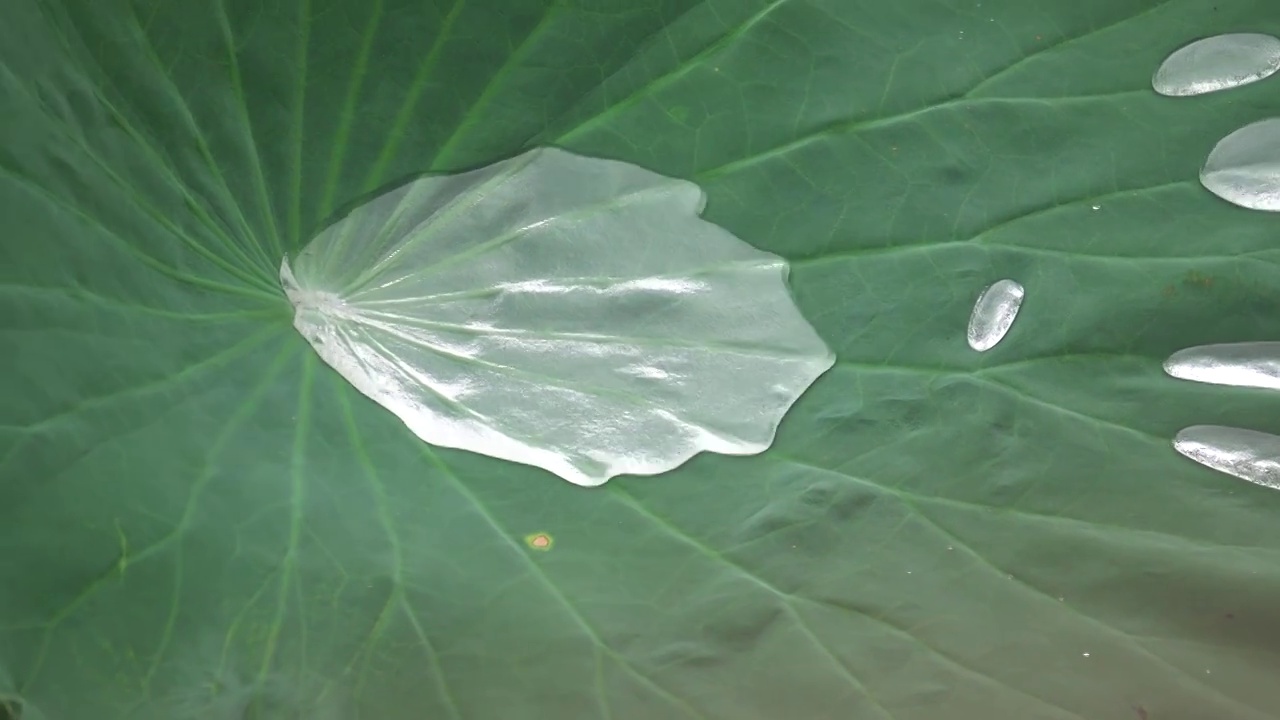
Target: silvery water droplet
1250 364
1217 63
567 312
1244 167
994 313
1246 454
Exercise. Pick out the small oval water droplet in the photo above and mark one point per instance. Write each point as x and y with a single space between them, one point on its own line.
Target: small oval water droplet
1217 63
994 313
1244 167
1246 454
1249 364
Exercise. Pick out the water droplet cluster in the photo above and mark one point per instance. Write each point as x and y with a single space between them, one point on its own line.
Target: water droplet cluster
1243 169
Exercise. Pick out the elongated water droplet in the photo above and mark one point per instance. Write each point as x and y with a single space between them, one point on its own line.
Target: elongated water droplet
1251 364
1217 63
1246 454
1244 167
994 313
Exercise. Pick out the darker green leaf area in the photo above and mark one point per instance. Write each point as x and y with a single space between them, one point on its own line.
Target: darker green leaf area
201 520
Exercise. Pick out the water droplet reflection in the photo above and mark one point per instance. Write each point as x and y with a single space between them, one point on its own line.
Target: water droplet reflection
1251 364
993 314
1217 63
1244 167
1246 454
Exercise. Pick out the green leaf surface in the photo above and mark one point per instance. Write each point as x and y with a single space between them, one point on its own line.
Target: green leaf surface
202 520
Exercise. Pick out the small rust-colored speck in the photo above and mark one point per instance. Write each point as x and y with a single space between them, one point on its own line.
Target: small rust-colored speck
1141 711
539 541
1198 280
1230 616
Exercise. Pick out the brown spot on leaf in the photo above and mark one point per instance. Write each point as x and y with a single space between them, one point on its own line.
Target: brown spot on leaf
1198 280
539 541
